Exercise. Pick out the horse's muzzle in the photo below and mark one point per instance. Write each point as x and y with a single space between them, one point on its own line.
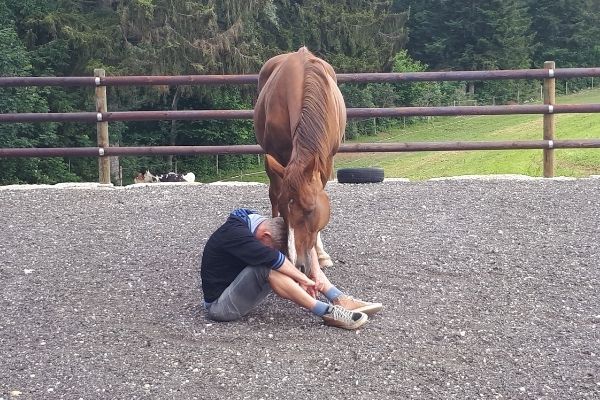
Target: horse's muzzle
304 264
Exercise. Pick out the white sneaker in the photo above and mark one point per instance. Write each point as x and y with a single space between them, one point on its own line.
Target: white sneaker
350 303
341 318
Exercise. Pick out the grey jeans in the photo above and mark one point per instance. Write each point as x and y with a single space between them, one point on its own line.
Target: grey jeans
249 289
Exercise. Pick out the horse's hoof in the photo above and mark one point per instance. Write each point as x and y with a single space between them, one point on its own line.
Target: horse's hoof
325 262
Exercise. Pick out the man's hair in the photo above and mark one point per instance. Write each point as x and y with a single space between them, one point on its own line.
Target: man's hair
279 232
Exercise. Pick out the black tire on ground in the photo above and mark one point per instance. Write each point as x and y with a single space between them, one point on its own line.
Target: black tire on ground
360 175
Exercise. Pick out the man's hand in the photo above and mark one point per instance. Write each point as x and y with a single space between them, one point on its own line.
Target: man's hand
305 281
288 269
308 285
315 274
310 290
317 287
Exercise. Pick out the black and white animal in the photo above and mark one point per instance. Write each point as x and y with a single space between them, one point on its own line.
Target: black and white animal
147 177
175 177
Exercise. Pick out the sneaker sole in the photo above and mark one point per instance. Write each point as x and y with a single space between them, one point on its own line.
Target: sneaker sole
370 309
357 324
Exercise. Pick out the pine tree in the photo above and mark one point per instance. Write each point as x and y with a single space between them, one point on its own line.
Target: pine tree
566 32
427 32
353 35
16 61
474 35
182 37
470 35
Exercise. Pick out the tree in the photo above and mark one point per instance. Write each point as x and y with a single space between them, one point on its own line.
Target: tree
470 35
169 37
15 61
473 35
567 32
353 35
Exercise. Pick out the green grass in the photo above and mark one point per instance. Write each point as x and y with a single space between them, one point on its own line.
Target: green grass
425 165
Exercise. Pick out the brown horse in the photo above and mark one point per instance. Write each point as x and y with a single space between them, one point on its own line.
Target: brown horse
299 120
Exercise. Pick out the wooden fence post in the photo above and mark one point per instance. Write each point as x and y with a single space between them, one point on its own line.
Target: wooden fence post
102 128
549 124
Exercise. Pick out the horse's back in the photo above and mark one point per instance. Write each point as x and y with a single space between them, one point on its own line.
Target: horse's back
278 105
281 101
268 68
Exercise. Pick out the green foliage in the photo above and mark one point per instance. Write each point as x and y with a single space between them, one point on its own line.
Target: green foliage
470 35
15 61
170 37
476 35
567 32
356 35
412 94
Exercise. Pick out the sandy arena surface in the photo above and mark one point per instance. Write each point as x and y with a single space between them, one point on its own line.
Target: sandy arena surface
491 291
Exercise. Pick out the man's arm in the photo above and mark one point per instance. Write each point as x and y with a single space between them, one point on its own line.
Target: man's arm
315 275
288 269
240 243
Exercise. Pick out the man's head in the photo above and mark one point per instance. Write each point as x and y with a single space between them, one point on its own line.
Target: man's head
272 232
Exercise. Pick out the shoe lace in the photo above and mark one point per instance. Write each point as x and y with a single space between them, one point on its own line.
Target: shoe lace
341 314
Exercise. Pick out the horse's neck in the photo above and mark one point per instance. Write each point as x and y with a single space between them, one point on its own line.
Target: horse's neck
296 170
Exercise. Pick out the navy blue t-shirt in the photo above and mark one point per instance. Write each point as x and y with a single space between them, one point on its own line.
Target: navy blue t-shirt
230 249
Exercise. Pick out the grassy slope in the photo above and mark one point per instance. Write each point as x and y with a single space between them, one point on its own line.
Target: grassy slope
424 165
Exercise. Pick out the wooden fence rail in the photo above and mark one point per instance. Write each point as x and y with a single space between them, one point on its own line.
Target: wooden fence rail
256 149
102 116
352 113
252 79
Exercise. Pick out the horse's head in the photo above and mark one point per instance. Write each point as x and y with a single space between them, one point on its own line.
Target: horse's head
304 205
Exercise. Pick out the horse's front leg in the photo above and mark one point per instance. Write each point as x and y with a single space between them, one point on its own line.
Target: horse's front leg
274 197
275 183
324 258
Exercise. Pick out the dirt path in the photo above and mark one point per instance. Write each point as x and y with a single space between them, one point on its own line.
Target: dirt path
491 290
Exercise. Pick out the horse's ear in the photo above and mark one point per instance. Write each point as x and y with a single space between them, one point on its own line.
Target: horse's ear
274 166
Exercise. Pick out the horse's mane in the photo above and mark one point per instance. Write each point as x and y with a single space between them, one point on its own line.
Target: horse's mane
309 141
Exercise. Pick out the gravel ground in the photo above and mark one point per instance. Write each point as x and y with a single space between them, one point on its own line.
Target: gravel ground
491 290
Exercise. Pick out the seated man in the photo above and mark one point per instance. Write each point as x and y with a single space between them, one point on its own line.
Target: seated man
242 263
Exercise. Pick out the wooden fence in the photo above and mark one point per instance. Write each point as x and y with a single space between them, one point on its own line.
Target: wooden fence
102 116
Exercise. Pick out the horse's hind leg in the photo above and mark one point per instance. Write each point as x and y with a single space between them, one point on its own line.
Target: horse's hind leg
324 258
